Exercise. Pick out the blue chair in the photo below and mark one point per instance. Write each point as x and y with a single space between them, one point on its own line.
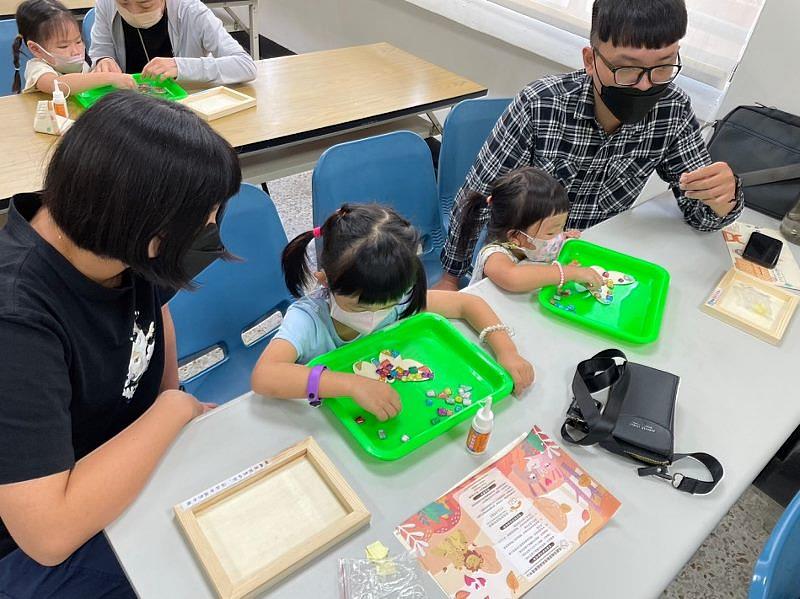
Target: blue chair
465 130
777 571
8 31
232 297
393 169
88 23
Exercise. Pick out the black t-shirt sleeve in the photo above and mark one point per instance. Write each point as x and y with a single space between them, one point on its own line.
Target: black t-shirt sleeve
35 394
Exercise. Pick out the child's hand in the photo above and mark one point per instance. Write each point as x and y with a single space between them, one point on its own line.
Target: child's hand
519 368
122 81
377 398
572 234
587 277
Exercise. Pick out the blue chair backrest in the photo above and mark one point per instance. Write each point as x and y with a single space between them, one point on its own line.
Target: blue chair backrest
8 31
777 571
88 23
394 169
465 130
233 296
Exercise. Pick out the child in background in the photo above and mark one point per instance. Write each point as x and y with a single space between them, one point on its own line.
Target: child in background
53 37
370 276
527 212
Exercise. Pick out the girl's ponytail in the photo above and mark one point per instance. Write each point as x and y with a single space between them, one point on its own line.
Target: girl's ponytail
294 261
470 211
16 48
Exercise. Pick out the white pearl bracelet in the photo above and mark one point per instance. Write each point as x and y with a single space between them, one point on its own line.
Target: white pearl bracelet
493 328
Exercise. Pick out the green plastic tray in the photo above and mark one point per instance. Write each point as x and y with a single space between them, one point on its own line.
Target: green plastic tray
637 310
432 340
172 90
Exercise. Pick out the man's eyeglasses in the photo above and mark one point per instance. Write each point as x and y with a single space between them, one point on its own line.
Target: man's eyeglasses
630 76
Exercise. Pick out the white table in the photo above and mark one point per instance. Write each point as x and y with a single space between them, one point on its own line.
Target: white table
736 402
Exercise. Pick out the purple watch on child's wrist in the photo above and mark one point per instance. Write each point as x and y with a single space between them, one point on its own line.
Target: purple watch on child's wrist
312 389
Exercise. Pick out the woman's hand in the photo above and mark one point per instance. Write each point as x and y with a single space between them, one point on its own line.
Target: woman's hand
106 65
519 368
377 398
160 69
572 234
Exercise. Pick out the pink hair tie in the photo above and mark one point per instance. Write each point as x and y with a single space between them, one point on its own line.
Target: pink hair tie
317 232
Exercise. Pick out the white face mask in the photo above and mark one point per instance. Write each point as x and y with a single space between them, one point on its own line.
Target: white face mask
141 20
361 322
542 250
62 64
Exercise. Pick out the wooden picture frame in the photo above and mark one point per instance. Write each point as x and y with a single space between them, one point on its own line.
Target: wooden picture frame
752 305
218 102
298 496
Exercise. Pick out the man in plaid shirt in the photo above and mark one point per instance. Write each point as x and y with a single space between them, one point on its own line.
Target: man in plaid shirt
603 130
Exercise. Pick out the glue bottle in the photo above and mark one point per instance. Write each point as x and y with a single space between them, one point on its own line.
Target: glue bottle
478 438
59 101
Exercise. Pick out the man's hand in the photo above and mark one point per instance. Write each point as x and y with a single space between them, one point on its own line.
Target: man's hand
714 185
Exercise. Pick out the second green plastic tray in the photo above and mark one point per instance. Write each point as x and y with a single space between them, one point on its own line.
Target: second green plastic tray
432 340
172 91
637 310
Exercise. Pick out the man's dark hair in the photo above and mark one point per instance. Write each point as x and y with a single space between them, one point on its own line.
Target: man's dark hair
650 24
134 168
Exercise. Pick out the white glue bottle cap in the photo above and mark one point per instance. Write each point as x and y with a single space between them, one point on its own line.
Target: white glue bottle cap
58 95
484 419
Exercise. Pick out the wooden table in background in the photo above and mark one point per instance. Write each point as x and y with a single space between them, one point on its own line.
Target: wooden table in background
305 104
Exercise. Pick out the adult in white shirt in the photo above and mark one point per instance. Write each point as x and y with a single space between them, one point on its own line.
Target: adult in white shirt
180 39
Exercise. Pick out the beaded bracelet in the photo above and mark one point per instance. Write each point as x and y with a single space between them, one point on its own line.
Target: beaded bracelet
493 328
560 273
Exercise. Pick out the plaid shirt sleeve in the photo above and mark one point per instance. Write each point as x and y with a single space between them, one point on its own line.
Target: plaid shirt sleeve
688 153
508 147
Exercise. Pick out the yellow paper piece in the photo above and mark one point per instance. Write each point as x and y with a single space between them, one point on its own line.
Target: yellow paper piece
377 551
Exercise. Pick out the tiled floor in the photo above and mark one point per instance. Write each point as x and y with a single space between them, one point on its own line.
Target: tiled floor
722 566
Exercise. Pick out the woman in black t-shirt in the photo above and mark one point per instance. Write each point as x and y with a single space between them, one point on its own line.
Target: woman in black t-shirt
89 398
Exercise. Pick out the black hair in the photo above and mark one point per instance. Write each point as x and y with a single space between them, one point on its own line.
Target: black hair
38 21
368 251
520 198
133 169
650 24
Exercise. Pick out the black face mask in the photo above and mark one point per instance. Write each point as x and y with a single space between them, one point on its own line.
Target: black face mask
628 104
631 105
205 249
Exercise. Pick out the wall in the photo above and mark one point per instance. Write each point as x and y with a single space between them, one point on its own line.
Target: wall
309 25
769 71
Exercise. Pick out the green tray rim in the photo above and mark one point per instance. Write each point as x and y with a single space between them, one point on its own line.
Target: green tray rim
446 424
89 97
660 302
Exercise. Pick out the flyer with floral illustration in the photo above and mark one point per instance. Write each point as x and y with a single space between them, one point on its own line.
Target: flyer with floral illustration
502 530
786 273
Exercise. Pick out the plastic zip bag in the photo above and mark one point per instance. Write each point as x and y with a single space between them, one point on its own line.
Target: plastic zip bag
391 578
